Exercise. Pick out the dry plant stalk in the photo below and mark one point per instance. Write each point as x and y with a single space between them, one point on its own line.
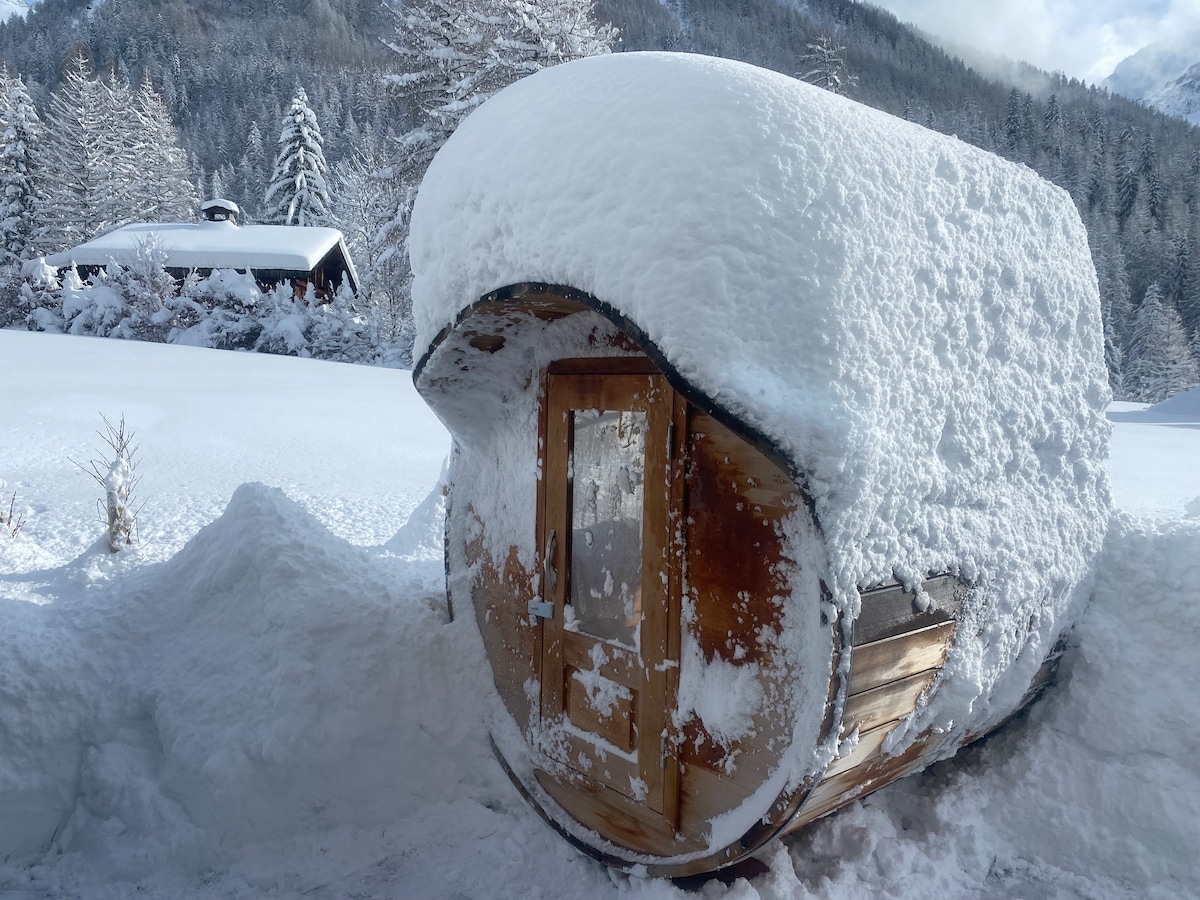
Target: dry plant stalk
118 480
12 522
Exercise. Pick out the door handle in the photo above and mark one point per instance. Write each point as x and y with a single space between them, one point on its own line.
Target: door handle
548 567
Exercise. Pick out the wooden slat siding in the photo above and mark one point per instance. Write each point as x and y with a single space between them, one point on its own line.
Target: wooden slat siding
874 772
736 500
867 747
891 659
886 703
620 820
888 611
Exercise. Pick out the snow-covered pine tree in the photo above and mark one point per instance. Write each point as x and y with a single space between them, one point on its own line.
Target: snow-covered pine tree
21 143
73 159
298 193
162 189
1161 363
365 203
824 64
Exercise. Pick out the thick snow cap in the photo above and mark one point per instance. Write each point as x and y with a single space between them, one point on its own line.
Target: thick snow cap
911 321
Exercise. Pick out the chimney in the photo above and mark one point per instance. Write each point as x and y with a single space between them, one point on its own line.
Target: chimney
219 209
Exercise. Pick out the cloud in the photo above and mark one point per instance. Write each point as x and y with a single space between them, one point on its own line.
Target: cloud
1084 38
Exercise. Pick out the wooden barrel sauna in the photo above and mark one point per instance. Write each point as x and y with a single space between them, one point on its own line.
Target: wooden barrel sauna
746 542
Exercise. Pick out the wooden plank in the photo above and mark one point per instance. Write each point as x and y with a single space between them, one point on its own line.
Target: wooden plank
653 713
899 657
840 788
616 818
614 723
886 703
498 598
603 365
705 793
888 610
620 663
868 746
737 500
545 306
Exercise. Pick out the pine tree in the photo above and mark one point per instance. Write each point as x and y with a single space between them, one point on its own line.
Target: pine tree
73 160
824 64
1160 360
299 193
21 144
158 188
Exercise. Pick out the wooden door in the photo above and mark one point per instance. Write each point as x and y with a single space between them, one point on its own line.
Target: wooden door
611 636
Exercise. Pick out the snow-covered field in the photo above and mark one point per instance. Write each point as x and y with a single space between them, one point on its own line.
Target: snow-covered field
265 698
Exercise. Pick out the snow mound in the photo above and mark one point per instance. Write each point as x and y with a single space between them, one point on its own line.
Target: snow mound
423 534
1186 404
268 680
282 698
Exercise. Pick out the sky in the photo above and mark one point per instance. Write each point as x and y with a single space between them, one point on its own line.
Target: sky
1084 38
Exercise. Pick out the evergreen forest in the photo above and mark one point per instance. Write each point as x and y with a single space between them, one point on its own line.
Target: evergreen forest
215 81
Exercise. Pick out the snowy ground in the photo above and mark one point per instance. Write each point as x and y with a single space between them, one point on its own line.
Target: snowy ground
265 699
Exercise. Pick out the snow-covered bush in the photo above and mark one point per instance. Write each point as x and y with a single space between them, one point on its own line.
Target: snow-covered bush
136 299
218 311
284 320
40 302
339 330
140 279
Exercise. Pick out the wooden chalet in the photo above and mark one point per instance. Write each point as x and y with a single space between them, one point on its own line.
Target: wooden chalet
699 614
274 254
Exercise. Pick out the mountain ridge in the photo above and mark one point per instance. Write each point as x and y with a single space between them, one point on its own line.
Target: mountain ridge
1164 75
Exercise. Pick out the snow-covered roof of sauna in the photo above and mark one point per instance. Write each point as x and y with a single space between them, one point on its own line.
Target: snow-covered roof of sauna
214 245
911 321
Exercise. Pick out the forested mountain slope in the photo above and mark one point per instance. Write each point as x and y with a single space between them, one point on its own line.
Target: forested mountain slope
226 72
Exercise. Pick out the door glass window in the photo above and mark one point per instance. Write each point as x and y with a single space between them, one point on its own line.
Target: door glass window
607 487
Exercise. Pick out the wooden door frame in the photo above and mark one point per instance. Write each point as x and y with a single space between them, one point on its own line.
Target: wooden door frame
660 636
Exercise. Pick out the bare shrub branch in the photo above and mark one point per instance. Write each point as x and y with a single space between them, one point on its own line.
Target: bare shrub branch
119 481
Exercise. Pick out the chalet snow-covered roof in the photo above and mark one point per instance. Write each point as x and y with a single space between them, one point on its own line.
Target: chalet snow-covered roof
215 245
913 323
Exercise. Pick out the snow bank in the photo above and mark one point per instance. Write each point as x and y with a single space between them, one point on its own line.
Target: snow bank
252 687
1096 796
912 322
